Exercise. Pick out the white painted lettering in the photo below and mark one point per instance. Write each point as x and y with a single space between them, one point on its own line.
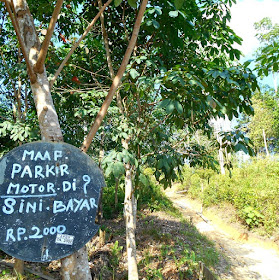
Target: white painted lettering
64 169
41 188
58 206
85 204
87 180
74 185
24 189
33 187
20 232
70 205
57 154
9 206
66 186
26 170
50 170
38 171
50 187
41 205
10 235
93 203
21 206
27 153
78 204
11 187
42 157
32 206
16 169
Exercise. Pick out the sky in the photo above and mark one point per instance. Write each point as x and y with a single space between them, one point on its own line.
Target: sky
244 14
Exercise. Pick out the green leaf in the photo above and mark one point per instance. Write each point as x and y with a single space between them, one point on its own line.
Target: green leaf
132 3
134 73
108 170
178 107
118 169
170 107
178 4
160 164
144 179
173 14
164 103
156 24
248 221
117 2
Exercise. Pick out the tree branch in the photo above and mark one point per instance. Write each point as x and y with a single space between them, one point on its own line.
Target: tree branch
116 80
106 42
39 66
78 42
30 71
109 61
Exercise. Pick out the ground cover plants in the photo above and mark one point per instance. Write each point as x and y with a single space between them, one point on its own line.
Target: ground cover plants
168 246
252 189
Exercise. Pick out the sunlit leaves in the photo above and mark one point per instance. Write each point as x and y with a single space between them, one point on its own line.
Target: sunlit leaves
173 14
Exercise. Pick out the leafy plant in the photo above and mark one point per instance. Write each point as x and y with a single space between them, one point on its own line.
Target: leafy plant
116 252
252 190
252 217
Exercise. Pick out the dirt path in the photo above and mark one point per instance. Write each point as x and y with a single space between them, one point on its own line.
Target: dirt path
248 259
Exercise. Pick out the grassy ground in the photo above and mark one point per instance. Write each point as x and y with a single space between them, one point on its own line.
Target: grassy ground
168 247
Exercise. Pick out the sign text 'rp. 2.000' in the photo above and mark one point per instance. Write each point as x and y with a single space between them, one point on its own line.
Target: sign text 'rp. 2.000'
49 195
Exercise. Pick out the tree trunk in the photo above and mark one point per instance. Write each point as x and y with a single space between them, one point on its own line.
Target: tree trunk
115 193
221 160
19 268
75 265
265 144
130 221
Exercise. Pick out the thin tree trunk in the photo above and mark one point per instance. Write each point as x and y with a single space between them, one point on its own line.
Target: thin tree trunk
221 160
19 267
130 221
75 265
115 193
275 75
265 144
116 81
130 206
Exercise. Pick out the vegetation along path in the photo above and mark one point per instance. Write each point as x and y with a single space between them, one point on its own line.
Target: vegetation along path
243 257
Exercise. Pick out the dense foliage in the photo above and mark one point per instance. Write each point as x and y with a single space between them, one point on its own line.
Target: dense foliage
252 190
184 72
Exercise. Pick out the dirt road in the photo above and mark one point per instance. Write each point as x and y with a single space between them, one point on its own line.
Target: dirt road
248 259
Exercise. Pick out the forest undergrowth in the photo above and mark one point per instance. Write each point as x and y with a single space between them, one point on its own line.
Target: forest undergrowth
252 190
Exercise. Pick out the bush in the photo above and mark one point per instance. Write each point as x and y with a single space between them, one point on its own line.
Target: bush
149 195
252 190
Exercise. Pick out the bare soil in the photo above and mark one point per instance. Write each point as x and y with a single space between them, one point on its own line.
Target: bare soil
249 256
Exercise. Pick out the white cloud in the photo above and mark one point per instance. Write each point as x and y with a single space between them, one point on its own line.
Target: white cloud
244 14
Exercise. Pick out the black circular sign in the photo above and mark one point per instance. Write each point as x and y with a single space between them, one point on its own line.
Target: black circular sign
49 194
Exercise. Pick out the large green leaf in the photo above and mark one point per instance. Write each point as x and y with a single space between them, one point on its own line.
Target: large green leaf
133 3
178 107
170 107
117 2
178 4
143 179
134 73
118 169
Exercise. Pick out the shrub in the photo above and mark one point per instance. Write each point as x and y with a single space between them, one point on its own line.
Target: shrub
252 189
